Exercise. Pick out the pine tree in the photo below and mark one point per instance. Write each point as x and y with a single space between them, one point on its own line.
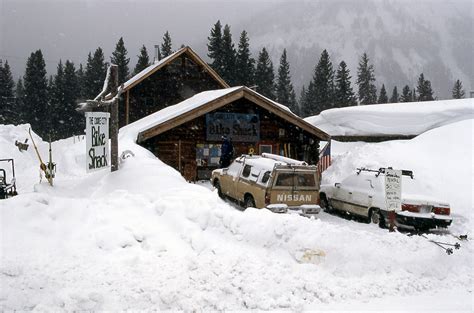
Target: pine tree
143 61
425 93
458 92
96 69
344 95
73 121
36 94
407 95
214 47
228 57
321 96
19 102
8 112
285 93
119 58
80 83
56 101
264 75
245 64
309 108
166 46
394 97
383 98
366 81
302 102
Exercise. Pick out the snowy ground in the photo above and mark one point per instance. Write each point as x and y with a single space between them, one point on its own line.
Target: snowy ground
142 238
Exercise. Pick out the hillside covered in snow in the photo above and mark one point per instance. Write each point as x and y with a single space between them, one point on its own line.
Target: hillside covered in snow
142 238
402 39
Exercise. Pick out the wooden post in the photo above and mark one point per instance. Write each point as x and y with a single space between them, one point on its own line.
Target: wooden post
110 84
127 106
114 125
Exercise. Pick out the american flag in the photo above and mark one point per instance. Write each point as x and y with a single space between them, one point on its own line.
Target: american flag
324 158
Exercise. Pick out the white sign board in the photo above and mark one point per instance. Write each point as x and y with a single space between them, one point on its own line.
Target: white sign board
393 189
97 140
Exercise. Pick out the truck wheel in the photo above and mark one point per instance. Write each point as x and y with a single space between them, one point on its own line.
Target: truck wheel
249 202
217 185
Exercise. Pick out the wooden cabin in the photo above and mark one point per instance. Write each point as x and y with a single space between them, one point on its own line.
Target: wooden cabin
169 81
188 135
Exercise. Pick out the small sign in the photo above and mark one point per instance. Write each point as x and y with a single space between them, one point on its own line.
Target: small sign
393 189
238 126
97 140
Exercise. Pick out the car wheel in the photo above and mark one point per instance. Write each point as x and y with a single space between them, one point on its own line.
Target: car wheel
217 185
382 223
375 216
249 202
325 204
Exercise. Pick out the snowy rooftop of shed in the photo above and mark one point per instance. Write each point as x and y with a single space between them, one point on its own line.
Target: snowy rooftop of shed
411 118
199 100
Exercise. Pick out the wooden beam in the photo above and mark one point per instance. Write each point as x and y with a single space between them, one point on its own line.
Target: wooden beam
127 107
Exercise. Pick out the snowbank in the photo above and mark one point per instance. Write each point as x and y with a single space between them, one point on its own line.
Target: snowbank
412 118
441 158
142 238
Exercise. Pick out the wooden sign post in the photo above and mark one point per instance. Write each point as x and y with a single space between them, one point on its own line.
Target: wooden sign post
113 92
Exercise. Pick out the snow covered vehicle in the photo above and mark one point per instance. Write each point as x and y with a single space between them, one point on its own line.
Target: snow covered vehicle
364 194
270 181
7 188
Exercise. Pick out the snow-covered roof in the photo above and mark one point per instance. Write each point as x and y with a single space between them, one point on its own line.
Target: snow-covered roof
136 129
173 111
392 119
157 65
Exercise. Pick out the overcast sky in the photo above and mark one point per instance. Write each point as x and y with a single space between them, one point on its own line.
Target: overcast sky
70 29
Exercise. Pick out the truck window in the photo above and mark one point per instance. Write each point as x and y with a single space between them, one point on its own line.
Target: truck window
305 180
246 171
265 177
285 179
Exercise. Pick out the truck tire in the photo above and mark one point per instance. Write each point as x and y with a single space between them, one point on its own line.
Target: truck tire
249 202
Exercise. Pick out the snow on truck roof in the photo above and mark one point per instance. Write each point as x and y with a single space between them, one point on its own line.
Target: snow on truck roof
267 161
410 118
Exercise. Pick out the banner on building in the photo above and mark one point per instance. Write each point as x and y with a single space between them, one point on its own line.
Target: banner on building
393 189
238 126
97 140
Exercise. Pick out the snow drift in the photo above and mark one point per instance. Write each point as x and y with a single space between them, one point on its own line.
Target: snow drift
142 238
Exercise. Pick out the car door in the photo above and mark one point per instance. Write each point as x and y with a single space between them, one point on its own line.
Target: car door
362 196
230 177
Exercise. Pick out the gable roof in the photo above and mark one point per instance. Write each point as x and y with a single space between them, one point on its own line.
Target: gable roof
135 80
205 102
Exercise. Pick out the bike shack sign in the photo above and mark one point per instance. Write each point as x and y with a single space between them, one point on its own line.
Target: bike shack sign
393 190
97 140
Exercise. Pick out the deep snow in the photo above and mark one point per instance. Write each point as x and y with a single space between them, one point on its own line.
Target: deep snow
411 118
143 238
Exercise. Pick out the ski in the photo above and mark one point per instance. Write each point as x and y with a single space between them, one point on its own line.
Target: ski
43 166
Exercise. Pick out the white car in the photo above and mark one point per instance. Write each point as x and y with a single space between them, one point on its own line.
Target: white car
363 194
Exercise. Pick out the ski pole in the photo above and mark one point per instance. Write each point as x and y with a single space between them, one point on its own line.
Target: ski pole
449 251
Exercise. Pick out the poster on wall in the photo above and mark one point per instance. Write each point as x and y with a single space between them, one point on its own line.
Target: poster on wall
208 155
97 141
238 126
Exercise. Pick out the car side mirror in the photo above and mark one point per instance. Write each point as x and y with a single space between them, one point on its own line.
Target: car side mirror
337 185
